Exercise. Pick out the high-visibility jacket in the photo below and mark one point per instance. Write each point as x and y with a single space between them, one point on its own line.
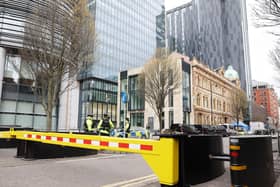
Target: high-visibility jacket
89 123
105 126
127 126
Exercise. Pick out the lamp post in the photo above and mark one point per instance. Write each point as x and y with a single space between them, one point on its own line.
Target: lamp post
124 102
211 103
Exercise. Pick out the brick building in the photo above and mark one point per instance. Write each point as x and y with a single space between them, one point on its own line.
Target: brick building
265 95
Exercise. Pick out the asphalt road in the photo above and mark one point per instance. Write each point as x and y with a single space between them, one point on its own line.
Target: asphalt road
102 170
89 171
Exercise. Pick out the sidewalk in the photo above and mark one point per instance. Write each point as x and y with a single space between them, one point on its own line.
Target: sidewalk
222 181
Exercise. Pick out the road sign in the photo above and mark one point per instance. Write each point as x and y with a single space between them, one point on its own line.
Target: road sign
124 97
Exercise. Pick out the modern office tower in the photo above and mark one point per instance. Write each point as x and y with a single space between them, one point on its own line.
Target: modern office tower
128 32
18 105
213 31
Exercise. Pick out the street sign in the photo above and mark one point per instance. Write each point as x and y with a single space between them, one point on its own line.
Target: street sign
124 97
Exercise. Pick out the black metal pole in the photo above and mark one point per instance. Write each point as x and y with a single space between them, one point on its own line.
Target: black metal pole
211 98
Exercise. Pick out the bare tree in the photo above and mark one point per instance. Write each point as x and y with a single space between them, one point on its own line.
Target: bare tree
239 104
59 41
159 77
267 14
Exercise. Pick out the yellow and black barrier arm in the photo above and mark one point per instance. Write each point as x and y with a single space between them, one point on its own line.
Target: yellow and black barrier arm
161 155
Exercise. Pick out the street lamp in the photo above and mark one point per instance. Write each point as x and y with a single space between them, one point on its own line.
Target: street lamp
211 103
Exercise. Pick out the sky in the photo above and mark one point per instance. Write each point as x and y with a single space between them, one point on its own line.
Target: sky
260 43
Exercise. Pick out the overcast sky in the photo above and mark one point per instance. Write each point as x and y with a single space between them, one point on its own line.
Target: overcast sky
260 43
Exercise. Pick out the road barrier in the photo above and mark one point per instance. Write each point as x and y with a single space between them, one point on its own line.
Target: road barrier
176 159
251 161
198 167
161 155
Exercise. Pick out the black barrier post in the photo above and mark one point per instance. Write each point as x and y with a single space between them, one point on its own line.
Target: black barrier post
195 166
251 161
182 162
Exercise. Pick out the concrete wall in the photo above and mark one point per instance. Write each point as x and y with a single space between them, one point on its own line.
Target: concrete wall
2 65
69 107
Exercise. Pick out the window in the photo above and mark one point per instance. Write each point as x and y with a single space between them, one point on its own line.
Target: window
137 119
198 100
136 101
171 118
170 98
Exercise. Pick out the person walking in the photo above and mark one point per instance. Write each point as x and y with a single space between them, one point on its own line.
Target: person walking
105 126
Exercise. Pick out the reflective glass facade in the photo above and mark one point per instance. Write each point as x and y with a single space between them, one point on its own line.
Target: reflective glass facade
213 31
128 33
98 97
18 104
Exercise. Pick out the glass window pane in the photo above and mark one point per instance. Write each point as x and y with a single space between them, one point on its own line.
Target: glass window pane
39 109
24 120
7 106
24 107
40 122
7 119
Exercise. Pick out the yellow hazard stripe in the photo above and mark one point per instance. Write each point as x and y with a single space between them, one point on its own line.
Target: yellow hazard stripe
238 168
234 147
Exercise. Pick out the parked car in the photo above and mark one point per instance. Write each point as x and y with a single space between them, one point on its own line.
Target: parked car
221 130
189 129
205 129
230 130
135 132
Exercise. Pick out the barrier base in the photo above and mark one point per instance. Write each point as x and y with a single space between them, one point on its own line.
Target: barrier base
31 150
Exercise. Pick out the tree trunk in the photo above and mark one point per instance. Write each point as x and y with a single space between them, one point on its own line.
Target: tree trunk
49 119
160 119
50 105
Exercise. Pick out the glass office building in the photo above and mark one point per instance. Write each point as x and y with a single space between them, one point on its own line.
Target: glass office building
128 32
18 104
213 31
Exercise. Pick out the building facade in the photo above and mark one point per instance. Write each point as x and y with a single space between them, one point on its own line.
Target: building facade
259 113
18 104
265 95
215 32
128 33
211 94
203 97
140 113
